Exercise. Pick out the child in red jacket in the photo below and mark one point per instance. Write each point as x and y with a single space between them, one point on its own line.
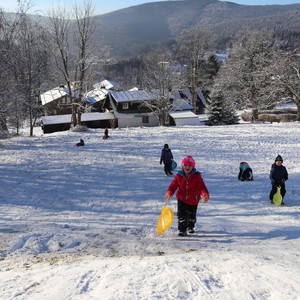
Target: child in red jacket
190 189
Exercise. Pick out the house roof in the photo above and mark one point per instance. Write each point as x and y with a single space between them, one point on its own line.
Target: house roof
107 84
180 104
186 94
58 119
131 96
201 97
52 95
96 116
85 117
183 115
96 95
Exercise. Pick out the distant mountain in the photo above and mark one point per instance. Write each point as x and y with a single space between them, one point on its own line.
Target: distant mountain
131 30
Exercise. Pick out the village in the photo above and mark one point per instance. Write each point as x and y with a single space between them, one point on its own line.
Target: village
108 106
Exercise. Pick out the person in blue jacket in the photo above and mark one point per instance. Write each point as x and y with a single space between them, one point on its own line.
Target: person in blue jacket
278 176
166 158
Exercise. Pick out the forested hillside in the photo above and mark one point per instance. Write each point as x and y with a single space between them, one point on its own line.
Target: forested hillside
130 31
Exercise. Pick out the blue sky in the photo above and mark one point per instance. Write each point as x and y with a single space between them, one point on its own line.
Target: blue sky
41 6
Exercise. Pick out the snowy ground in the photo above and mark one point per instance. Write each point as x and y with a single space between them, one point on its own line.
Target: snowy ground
80 223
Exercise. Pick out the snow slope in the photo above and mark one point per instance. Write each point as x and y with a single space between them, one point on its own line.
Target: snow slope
80 222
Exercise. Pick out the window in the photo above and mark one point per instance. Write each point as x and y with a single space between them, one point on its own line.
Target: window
145 119
125 106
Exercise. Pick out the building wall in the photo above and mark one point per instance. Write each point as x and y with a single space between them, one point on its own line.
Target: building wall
54 108
127 120
187 121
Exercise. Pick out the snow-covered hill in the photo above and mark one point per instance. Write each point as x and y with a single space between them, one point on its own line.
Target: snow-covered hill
80 222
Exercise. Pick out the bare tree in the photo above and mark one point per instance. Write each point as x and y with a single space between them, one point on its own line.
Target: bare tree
6 41
194 44
25 65
60 29
285 74
33 67
244 77
72 34
161 76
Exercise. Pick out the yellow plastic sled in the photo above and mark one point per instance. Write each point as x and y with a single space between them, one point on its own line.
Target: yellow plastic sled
165 220
277 198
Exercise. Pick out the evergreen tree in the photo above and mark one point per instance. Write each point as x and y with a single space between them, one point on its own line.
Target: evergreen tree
220 111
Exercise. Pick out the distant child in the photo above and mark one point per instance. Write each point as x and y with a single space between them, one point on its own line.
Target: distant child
278 176
190 188
105 136
81 143
166 157
246 172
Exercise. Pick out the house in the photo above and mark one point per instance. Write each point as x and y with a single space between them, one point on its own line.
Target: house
181 114
186 94
56 123
180 118
95 98
129 110
118 108
56 101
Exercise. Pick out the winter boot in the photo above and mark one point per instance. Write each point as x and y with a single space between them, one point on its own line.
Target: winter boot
182 233
191 230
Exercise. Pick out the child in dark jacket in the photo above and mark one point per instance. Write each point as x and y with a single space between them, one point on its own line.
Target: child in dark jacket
278 176
81 143
166 158
105 136
190 188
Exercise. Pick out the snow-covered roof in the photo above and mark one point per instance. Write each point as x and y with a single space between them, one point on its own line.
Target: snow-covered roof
96 95
183 115
96 116
186 94
104 84
286 105
107 84
58 119
131 96
180 104
52 95
66 119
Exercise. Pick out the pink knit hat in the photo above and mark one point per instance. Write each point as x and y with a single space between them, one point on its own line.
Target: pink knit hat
188 161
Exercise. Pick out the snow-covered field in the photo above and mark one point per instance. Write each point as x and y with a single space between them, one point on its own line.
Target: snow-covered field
80 223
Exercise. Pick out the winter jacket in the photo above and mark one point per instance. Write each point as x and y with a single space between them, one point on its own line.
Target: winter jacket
189 189
278 174
166 156
246 172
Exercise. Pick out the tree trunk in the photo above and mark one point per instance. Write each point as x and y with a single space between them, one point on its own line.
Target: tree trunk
298 110
255 113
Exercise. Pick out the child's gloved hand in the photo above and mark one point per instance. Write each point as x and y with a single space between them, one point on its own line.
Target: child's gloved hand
205 198
168 195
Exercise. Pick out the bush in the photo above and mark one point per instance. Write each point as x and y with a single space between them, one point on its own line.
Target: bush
269 118
288 117
277 117
246 116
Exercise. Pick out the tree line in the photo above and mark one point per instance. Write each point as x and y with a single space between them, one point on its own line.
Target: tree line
260 68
